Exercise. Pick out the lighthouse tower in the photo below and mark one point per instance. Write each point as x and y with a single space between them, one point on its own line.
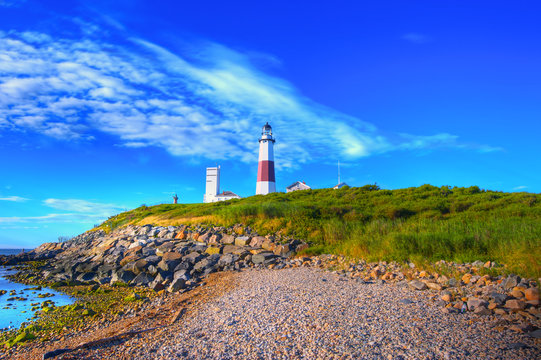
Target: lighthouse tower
265 172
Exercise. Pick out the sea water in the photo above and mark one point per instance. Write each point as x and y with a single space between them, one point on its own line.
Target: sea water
14 312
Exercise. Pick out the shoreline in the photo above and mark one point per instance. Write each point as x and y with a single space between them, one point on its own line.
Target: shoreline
202 258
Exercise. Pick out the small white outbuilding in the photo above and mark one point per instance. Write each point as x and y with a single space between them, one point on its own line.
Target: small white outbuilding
299 185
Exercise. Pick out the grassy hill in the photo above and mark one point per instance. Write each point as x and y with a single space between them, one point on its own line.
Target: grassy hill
425 223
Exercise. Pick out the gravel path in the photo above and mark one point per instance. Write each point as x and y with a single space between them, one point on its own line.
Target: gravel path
312 314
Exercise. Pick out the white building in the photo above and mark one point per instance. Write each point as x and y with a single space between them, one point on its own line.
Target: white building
266 182
212 191
341 185
299 185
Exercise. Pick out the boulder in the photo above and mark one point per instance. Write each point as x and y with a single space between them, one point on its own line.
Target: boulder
498 298
434 286
170 256
122 276
264 258
228 239
242 240
192 257
213 250
142 279
510 282
532 294
176 285
474 303
283 250
417 285
257 241
515 305
215 239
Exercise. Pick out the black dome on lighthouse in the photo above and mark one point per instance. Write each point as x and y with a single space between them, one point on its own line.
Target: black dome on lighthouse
267 126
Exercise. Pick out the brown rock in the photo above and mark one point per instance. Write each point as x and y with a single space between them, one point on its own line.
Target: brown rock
257 241
500 311
482 311
282 250
466 278
516 293
228 239
447 297
492 306
268 245
532 294
182 235
434 286
515 305
171 255
128 259
214 239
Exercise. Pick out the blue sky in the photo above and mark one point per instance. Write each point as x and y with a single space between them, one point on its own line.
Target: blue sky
105 106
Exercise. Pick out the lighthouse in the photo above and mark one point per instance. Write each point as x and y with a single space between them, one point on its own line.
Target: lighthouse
265 172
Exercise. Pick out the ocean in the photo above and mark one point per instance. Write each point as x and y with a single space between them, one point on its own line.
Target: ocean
14 312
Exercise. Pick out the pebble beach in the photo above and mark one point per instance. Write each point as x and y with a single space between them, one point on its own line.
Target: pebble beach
309 313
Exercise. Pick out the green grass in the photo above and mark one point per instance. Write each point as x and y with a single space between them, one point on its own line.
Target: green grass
425 223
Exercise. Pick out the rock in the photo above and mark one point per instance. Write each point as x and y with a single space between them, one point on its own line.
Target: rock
228 239
204 237
122 276
498 298
452 282
500 311
446 296
156 286
434 286
517 292
466 278
450 310
301 247
417 285
532 294
170 256
515 305
257 241
474 303
263 258
182 274
192 257
282 250
176 285
482 311
168 265
536 334
215 239
142 279
227 259
511 281
242 240
268 245
213 250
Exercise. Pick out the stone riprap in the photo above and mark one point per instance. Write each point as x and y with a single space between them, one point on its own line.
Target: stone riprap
163 258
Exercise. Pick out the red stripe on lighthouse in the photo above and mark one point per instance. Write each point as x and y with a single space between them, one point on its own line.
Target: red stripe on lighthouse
265 171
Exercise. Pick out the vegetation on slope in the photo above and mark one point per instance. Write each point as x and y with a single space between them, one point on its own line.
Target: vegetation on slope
425 223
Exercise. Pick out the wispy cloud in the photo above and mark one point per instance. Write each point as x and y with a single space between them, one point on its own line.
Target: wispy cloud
521 187
53 218
13 198
417 38
205 101
83 206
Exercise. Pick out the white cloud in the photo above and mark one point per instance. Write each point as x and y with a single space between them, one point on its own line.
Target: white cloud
521 187
13 198
52 218
83 206
209 101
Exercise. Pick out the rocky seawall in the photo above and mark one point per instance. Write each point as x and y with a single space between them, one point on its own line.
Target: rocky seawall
176 259
161 258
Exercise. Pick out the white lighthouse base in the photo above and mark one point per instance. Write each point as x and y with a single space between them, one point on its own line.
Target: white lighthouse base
265 187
